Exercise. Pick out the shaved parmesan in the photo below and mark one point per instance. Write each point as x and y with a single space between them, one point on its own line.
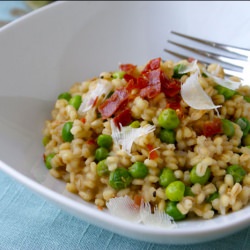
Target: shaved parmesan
189 67
125 136
227 83
103 87
157 219
194 95
124 207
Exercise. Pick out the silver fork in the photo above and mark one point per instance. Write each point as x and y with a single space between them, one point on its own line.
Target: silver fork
235 60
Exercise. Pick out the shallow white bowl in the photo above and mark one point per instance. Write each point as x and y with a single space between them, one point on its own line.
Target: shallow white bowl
47 51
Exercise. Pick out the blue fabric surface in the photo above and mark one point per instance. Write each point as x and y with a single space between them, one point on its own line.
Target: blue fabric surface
30 222
7 7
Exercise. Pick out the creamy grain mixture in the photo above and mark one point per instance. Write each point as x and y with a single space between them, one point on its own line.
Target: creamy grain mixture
176 136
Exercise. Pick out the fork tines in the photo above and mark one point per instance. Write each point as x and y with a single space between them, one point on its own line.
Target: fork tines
234 59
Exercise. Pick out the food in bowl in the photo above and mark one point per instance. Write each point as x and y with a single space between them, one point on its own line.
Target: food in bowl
173 136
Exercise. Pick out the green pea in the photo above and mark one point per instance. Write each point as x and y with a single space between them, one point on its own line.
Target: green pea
118 75
110 94
227 127
188 191
46 140
175 191
76 101
212 197
167 176
101 154
168 119
102 168
48 160
247 98
167 136
105 141
135 124
194 178
66 134
172 210
98 115
204 75
120 178
65 95
246 140
226 92
237 172
138 170
177 68
244 125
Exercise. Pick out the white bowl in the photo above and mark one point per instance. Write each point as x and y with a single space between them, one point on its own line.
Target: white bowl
45 52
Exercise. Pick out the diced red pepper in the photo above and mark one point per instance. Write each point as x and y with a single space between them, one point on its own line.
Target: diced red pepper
137 200
124 118
111 105
211 128
152 153
91 142
83 119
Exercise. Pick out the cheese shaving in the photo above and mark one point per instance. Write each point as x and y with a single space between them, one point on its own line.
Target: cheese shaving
103 87
124 207
125 136
157 219
227 83
194 95
189 67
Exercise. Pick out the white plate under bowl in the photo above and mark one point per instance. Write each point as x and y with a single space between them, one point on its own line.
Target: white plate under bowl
45 52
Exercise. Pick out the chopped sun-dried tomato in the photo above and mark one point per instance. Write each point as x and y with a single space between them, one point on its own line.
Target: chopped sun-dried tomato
174 102
152 65
142 82
170 87
111 105
128 78
151 81
139 83
128 68
124 118
190 59
154 84
151 91
154 76
213 127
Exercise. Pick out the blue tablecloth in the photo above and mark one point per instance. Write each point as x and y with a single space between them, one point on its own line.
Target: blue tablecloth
27 221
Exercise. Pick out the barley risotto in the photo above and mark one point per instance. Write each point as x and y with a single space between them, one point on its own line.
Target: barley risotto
175 136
